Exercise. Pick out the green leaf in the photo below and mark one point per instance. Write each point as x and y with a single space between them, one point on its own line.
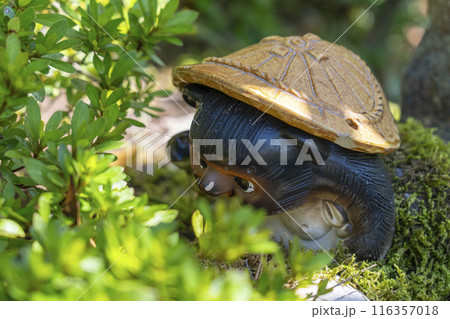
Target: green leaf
98 64
174 41
79 84
36 169
33 119
36 65
118 130
64 159
23 34
40 172
149 14
111 115
97 128
160 93
10 229
107 62
60 65
179 29
169 9
266 247
197 223
92 36
39 95
79 120
52 136
115 96
39 229
45 202
23 3
92 95
162 216
14 24
135 123
322 288
111 26
8 191
66 44
40 49
58 29
50 41
56 179
136 29
12 47
317 262
156 58
16 154
48 19
26 18
54 121
183 17
54 56
93 9
123 66
108 146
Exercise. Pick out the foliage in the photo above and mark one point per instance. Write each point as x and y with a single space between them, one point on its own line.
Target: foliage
417 267
234 234
65 156
70 226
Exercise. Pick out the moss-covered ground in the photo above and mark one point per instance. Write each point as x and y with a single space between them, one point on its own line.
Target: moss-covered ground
417 267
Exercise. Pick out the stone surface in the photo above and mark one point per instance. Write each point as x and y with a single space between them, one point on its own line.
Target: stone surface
340 293
426 82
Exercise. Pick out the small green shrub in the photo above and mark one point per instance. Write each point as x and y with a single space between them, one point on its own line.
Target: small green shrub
70 226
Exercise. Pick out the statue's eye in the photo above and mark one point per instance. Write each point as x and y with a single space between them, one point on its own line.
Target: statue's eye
203 163
193 94
189 100
245 185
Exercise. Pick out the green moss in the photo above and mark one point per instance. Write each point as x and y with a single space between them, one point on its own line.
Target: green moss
417 266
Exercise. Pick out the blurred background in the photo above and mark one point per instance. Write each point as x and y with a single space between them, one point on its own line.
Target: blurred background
385 36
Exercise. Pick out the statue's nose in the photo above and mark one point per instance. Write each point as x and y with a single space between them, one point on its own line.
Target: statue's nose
216 183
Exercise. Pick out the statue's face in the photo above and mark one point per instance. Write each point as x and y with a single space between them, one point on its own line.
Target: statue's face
251 181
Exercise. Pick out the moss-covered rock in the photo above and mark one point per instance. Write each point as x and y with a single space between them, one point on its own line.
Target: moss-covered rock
417 267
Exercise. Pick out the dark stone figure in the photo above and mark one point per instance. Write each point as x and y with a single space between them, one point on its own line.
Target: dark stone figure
346 197
295 125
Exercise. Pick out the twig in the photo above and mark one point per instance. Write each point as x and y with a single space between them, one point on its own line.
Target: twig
258 272
249 270
17 169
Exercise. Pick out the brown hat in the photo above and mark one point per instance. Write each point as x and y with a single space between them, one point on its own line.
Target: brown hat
319 87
